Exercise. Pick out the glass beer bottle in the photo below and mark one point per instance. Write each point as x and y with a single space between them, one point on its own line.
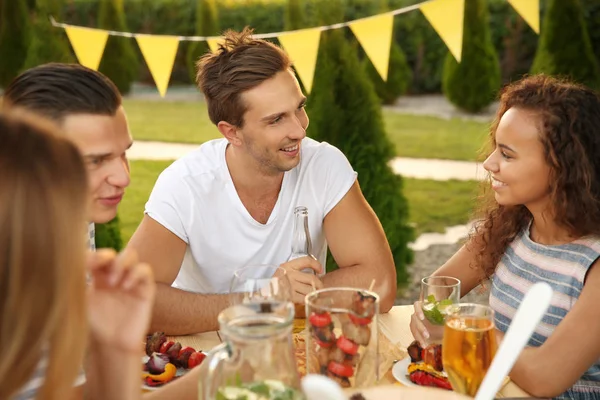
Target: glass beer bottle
301 244
301 247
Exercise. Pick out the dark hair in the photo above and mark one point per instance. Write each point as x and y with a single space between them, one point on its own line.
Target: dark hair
240 64
570 133
56 90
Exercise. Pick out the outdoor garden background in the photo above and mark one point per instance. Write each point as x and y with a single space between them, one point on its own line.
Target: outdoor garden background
431 106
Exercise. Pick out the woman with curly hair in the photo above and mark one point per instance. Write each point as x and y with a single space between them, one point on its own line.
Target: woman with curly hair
540 222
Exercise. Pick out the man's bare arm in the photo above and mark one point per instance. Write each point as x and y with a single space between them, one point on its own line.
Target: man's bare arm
360 248
176 312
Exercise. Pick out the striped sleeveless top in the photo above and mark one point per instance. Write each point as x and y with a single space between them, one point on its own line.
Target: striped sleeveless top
564 268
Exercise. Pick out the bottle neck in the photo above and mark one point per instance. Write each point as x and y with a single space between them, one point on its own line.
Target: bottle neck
301 243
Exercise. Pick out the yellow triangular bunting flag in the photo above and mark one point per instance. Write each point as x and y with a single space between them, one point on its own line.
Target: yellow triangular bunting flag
530 11
447 18
159 52
213 44
303 46
88 45
375 37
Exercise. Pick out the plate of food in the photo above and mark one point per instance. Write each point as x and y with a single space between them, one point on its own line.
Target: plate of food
166 361
423 368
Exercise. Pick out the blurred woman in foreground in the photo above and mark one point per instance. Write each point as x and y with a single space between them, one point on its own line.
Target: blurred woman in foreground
47 313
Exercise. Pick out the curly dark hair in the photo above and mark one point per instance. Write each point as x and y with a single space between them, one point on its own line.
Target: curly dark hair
570 133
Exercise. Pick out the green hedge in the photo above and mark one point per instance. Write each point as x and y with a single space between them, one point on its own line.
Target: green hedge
108 235
15 34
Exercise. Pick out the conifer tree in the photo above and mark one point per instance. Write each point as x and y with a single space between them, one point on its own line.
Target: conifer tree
473 83
564 47
48 43
399 73
207 24
120 60
15 33
344 111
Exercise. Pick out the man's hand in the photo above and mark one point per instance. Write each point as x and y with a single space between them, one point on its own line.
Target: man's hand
120 299
302 283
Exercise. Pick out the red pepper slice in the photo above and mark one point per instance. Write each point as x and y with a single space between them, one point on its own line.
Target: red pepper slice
319 320
339 369
150 382
347 345
358 320
422 378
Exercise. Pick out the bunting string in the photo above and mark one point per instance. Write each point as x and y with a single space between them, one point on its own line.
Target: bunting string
374 33
269 35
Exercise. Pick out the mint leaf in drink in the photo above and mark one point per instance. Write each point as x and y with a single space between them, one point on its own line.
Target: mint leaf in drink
260 388
433 315
445 302
430 299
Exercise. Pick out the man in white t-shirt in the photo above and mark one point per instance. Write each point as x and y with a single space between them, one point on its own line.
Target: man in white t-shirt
230 203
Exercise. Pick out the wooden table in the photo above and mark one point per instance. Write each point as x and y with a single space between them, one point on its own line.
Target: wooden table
394 325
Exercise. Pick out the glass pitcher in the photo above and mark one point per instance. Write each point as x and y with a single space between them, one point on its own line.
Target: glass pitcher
256 359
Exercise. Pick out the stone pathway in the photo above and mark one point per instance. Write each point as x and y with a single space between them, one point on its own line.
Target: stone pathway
429 104
418 168
437 105
425 263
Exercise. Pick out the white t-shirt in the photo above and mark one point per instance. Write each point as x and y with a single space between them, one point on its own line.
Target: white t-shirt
196 200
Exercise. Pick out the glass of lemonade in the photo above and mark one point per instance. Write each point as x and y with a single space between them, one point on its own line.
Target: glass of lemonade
438 294
469 346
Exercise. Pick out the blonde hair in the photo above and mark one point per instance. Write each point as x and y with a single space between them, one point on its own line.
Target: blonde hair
43 198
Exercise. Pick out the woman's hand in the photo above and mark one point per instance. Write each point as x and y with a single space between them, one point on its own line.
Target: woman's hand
421 329
120 300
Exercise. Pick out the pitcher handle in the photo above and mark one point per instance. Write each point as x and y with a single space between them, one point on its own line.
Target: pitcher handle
218 354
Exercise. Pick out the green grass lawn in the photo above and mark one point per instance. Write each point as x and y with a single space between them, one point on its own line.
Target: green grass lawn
434 205
413 136
430 137
131 210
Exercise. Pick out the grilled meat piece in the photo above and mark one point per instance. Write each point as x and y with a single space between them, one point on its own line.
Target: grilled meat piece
415 351
359 334
173 352
432 355
363 304
324 334
323 355
153 342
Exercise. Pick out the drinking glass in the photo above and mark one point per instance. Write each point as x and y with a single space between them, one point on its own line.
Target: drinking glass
260 284
469 346
438 293
342 339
